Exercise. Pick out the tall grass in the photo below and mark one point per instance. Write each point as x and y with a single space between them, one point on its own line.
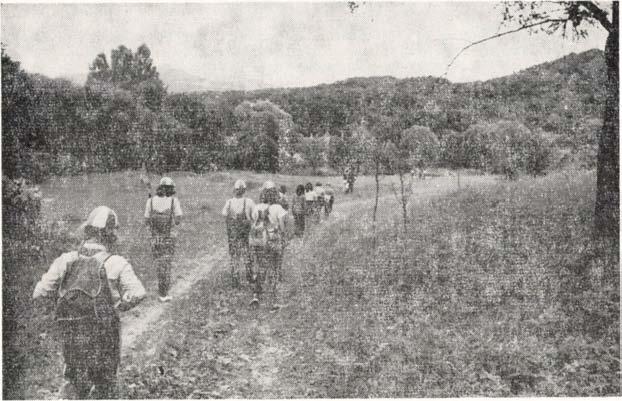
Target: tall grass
497 291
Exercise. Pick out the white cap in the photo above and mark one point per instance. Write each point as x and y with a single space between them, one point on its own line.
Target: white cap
239 184
99 217
268 184
167 181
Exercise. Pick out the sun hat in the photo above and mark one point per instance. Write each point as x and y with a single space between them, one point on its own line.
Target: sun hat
100 217
168 181
268 184
239 184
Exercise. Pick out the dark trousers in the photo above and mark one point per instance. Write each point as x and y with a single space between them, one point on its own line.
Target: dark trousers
267 261
299 224
91 350
328 206
163 249
240 255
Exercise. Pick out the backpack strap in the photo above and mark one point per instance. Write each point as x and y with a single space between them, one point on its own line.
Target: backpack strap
171 217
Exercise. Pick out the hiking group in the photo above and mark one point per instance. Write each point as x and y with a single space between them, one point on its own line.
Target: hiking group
259 233
91 284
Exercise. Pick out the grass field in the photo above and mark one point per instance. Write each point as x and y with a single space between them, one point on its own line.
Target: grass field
494 290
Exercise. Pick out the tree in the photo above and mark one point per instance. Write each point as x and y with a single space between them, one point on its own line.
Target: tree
129 71
260 127
574 18
313 150
422 145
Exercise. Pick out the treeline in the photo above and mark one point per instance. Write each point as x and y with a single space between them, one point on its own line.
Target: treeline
124 118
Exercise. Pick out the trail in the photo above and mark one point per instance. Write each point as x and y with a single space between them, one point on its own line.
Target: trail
260 367
140 319
268 362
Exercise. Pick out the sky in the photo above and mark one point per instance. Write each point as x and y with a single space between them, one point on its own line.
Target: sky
260 45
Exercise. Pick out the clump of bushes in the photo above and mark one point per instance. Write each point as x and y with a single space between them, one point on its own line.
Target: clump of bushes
503 147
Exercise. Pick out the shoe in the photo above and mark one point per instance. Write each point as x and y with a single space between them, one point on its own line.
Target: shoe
166 298
254 302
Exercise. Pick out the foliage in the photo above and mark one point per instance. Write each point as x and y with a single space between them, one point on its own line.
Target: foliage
313 150
504 147
49 124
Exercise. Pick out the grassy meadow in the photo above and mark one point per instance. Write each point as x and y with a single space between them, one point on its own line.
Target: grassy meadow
34 364
493 289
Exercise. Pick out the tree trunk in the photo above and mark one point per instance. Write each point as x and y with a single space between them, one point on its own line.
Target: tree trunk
606 211
376 201
404 200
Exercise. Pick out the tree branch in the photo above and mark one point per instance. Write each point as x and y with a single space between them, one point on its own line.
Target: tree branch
498 35
599 14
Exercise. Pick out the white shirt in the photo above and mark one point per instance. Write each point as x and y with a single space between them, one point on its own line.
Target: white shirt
276 215
310 196
162 203
234 207
123 282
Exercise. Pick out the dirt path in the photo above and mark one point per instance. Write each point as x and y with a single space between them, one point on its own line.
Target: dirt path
260 366
141 319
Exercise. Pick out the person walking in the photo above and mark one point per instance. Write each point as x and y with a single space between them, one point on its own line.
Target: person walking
237 213
162 214
91 284
319 202
268 240
299 211
329 199
310 203
283 197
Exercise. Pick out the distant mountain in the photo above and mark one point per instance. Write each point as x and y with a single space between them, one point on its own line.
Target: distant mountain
548 96
78 79
178 80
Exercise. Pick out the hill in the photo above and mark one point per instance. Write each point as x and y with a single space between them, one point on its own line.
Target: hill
542 96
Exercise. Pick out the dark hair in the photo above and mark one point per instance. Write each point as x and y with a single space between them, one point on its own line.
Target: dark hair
283 189
318 184
300 190
103 236
308 187
271 196
165 190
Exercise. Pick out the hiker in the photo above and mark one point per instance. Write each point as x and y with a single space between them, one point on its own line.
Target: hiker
267 239
237 213
266 185
91 283
329 199
299 210
162 214
282 197
349 178
319 201
310 200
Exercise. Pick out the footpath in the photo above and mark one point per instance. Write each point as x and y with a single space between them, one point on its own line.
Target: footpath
208 343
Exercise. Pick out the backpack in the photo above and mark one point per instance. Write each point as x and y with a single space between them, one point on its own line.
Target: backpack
84 292
273 234
161 222
264 234
239 225
298 205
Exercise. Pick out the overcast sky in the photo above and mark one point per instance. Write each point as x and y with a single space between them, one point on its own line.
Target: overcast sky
280 44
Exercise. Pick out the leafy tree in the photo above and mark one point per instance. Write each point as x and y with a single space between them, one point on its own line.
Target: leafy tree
575 18
260 129
130 71
313 151
422 145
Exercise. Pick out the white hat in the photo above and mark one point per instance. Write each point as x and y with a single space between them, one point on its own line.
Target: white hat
268 184
167 181
99 217
239 184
